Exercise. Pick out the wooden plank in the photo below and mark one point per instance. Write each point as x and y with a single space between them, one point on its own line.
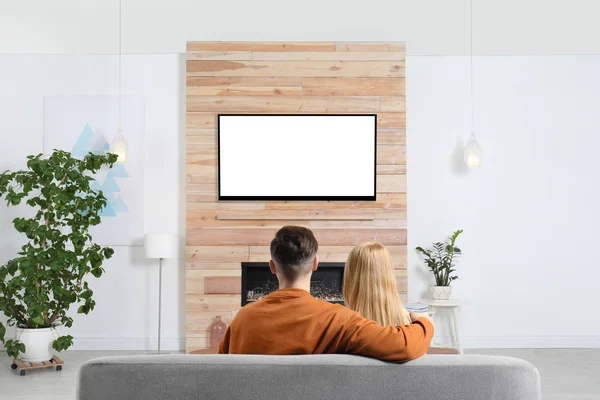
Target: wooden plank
203 273
357 225
376 213
391 155
201 188
201 197
297 217
219 55
384 200
201 149
213 302
204 120
332 254
326 56
222 285
261 46
211 214
394 250
392 104
229 205
386 123
252 81
202 178
194 285
193 169
262 237
282 104
316 223
216 253
196 341
206 160
391 169
196 136
337 86
197 322
297 68
201 137
244 91
395 136
391 120
391 184
371 46
262 224
213 265
326 257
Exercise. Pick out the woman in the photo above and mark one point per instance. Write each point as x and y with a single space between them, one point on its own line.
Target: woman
370 285
370 288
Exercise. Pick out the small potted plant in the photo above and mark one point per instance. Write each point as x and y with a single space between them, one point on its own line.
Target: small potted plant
440 260
38 287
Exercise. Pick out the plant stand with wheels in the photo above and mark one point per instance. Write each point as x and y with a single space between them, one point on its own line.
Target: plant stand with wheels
24 366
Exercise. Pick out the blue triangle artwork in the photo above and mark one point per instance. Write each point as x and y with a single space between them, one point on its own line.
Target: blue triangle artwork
90 141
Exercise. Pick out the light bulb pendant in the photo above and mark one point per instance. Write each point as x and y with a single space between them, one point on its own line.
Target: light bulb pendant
473 152
119 147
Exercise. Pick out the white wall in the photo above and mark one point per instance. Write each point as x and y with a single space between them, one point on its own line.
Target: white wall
530 212
126 296
527 212
432 27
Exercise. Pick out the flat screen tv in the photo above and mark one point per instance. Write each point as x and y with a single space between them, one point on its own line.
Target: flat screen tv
297 156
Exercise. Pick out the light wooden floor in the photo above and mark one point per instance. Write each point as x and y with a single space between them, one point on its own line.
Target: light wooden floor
567 374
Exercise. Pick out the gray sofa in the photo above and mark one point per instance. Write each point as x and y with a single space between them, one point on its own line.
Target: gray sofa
323 377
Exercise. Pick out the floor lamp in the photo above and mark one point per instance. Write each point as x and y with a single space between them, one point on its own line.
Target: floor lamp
161 246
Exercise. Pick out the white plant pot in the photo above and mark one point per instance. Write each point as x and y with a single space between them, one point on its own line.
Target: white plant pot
38 343
440 292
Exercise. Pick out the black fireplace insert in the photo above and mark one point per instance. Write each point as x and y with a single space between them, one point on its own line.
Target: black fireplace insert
325 284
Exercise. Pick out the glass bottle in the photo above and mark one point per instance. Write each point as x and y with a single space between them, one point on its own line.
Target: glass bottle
217 330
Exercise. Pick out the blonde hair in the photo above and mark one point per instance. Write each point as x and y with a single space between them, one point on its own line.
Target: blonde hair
370 288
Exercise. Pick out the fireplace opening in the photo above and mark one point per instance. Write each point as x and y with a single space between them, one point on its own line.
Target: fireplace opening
325 284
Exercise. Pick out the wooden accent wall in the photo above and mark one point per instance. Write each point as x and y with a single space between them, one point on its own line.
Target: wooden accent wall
273 77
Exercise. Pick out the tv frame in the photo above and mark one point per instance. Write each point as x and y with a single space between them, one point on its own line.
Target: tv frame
295 198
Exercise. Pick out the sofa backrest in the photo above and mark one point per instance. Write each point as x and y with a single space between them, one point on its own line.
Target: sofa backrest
332 377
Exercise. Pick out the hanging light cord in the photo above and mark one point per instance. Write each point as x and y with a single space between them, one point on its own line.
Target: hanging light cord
471 37
120 55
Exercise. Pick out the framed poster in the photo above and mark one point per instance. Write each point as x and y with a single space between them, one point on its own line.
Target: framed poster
83 124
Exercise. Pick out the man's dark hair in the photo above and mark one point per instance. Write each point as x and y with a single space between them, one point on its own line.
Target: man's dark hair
293 251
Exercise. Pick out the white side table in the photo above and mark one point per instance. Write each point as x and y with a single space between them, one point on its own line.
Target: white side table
454 306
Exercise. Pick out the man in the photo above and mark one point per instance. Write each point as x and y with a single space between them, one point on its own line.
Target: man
291 321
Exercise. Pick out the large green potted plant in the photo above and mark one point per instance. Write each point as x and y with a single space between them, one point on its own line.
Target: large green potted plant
49 276
441 260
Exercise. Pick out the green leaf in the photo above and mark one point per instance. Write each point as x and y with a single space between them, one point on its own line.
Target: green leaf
108 252
62 343
2 332
38 320
14 347
97 272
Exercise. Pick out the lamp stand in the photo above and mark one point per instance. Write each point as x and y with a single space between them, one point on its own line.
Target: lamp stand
159 298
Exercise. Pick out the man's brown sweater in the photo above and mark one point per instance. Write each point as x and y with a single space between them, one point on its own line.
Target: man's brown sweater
291 321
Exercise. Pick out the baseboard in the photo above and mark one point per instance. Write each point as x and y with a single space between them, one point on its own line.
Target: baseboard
469 342
141 343
529 342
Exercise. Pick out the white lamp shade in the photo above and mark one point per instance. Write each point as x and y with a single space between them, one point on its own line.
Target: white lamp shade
473 153
160 245
120 147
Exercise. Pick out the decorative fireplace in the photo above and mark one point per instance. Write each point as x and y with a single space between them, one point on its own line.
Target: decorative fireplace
325 284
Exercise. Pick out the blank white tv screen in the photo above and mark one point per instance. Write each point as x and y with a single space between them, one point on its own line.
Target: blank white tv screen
297 157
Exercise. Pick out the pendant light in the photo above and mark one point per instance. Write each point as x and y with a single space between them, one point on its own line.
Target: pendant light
473 153
119 144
